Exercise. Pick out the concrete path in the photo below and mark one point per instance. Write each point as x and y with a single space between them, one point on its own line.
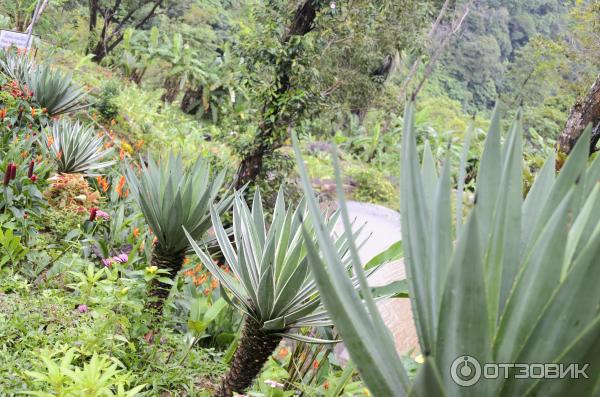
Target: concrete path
383 224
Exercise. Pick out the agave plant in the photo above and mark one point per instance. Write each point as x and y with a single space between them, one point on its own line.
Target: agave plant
516 283
76 148
16 65
55 91
270 282
171 197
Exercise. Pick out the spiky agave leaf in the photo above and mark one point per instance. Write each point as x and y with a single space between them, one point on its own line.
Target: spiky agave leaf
76 148
270 278
172 197
55 91
16 65
270 281
517 284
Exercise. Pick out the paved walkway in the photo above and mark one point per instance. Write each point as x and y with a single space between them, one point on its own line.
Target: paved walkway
383 224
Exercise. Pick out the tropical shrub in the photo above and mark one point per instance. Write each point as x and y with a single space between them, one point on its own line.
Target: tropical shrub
516 283
270 281
55 91
172 198
75 148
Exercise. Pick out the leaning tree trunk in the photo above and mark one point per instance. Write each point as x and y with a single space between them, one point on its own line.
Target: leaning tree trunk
256 346
584 112
159 291
272 128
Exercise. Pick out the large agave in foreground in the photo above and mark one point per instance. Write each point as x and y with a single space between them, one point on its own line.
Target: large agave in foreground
270 282
55 91
171 198
76 148
516 283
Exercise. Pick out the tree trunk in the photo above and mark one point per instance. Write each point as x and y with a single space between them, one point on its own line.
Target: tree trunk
272 127
93 8
191 101
159 291
171 89
256 346
584 112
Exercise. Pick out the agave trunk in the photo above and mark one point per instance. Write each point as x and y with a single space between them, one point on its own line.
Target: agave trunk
159 291
256 346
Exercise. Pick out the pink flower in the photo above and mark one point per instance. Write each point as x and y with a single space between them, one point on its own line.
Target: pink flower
107 261
273 384
102 214
82 308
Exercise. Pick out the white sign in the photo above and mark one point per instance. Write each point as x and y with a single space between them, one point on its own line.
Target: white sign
20 40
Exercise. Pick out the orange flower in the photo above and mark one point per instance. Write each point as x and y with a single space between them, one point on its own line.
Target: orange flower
283 352
315 364
103 183
120 186
138 145
32 112
50 140
2 113
186 260
122 154
200 280
136 232
214 283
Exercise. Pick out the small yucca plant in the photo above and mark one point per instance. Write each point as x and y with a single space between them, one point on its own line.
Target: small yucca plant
516 283
171 198
55 91
75 148
270 282
16 65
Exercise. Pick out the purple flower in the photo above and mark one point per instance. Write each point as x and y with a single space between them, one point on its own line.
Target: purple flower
102 214
121 258
107 261
82 308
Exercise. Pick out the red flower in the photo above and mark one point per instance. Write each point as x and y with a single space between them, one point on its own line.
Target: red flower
7 174
93 212
30 170
33 178
13 171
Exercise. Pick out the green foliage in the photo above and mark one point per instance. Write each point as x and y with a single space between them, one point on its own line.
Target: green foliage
55 91
371 186
11 249
518 265
16 65
75 148
106 103
270 281
172 198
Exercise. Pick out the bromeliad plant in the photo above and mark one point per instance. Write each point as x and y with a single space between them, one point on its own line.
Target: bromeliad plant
76 148
171 198
516 283
270 282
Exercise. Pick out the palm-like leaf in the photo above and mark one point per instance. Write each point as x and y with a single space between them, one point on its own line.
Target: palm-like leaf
517 284
76 148
270 280
55 90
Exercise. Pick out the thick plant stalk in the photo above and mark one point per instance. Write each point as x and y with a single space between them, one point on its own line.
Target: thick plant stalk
159 291
256 346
